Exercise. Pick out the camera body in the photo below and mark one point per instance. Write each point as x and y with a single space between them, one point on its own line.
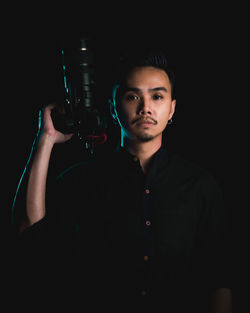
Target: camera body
79 102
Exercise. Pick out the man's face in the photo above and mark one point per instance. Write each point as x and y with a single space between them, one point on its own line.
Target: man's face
145 104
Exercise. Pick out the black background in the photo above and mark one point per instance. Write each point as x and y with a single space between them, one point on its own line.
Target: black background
206 48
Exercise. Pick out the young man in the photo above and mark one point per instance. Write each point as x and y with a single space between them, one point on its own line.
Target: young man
145 228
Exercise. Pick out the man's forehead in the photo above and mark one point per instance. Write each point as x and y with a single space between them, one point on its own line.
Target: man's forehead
150 76
153 89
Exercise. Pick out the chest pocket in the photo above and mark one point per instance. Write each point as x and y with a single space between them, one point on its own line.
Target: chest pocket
175 221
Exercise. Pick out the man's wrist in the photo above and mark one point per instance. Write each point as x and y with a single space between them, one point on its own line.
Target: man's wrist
46 142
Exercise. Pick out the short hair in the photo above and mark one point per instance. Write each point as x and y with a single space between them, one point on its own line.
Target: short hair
143 58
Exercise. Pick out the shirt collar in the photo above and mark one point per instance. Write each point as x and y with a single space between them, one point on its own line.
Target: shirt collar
159 160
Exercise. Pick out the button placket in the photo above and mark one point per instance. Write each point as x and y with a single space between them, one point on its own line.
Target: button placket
147 220
147 207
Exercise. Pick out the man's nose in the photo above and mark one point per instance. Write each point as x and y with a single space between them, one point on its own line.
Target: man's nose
144 107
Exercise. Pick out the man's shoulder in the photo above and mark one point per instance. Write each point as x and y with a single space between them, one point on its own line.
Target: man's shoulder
184 168
183 162
90 166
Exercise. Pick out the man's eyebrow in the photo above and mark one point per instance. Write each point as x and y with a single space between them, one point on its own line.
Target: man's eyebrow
135 89
158 89
126 89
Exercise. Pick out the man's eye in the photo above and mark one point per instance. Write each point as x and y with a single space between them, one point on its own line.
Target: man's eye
131 97
157 97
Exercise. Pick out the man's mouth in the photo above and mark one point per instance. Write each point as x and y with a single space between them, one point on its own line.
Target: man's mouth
144 121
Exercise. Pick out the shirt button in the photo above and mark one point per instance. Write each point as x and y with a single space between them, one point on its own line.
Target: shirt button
148 223
147 191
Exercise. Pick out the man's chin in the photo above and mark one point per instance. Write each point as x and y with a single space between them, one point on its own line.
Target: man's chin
144 137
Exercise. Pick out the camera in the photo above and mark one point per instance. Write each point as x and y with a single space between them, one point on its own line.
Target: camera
79 100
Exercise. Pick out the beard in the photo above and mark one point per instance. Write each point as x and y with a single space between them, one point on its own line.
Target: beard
144 137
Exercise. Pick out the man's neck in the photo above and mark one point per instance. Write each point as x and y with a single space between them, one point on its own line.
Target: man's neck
144 151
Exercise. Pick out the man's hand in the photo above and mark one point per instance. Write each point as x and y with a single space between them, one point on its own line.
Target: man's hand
47 129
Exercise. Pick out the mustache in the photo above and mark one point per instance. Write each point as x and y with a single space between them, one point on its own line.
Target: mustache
147 119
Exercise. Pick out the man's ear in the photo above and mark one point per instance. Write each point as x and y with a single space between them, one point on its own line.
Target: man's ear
173 104
112 104
113 111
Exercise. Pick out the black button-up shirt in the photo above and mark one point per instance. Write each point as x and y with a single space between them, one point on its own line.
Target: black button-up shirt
125 236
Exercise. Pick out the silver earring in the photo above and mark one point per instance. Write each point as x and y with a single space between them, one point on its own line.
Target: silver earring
170 121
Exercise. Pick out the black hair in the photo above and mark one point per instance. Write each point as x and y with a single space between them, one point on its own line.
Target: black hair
143 58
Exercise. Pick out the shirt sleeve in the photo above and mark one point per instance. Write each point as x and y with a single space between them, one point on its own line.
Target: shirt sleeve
45 250
214 236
